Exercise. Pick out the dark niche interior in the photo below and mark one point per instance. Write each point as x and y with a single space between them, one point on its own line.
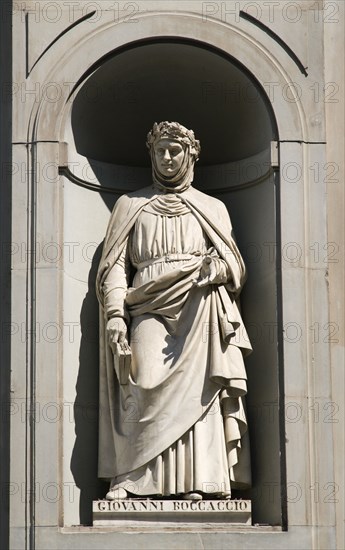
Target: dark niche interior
230 114
120 101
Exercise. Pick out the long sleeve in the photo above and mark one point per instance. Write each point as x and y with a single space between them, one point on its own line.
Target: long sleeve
223 272
115 287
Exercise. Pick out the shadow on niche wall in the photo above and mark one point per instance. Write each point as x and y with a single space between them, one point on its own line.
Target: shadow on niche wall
85 452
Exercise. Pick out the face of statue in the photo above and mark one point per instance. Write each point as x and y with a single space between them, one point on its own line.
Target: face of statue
169 156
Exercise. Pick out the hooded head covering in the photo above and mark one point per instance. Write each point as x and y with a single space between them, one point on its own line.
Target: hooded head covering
191 146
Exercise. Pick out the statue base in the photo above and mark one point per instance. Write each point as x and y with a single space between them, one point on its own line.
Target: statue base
134 512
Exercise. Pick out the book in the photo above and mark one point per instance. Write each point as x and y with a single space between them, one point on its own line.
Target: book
122 361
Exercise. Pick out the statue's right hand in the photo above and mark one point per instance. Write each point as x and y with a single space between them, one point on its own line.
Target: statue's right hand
116 330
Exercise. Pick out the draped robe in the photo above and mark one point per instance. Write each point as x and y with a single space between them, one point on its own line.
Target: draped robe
179 424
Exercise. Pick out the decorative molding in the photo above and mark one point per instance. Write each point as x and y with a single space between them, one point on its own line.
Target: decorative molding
277 38
65 171
66 30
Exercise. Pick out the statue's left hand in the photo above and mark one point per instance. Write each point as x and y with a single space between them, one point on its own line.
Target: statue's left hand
208 272
213 271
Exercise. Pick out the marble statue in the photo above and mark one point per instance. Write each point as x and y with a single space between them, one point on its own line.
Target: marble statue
172 421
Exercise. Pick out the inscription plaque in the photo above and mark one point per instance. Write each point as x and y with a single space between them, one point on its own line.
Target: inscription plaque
120 512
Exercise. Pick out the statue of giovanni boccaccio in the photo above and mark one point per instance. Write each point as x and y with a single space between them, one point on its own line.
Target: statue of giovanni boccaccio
168 286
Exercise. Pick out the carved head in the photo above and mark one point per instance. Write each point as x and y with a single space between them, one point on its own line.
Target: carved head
174 150
175 132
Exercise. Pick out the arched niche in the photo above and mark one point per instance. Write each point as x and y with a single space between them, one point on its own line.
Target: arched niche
113 109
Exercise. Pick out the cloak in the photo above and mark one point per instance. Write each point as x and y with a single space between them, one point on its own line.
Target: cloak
122 422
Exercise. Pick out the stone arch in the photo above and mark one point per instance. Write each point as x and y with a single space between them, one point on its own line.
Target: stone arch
81 55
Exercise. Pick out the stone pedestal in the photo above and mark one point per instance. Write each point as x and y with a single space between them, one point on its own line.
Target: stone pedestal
134 512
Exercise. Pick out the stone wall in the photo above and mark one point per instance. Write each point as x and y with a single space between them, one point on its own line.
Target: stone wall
60 207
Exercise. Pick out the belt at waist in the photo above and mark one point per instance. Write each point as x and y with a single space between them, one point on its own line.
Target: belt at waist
168 258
